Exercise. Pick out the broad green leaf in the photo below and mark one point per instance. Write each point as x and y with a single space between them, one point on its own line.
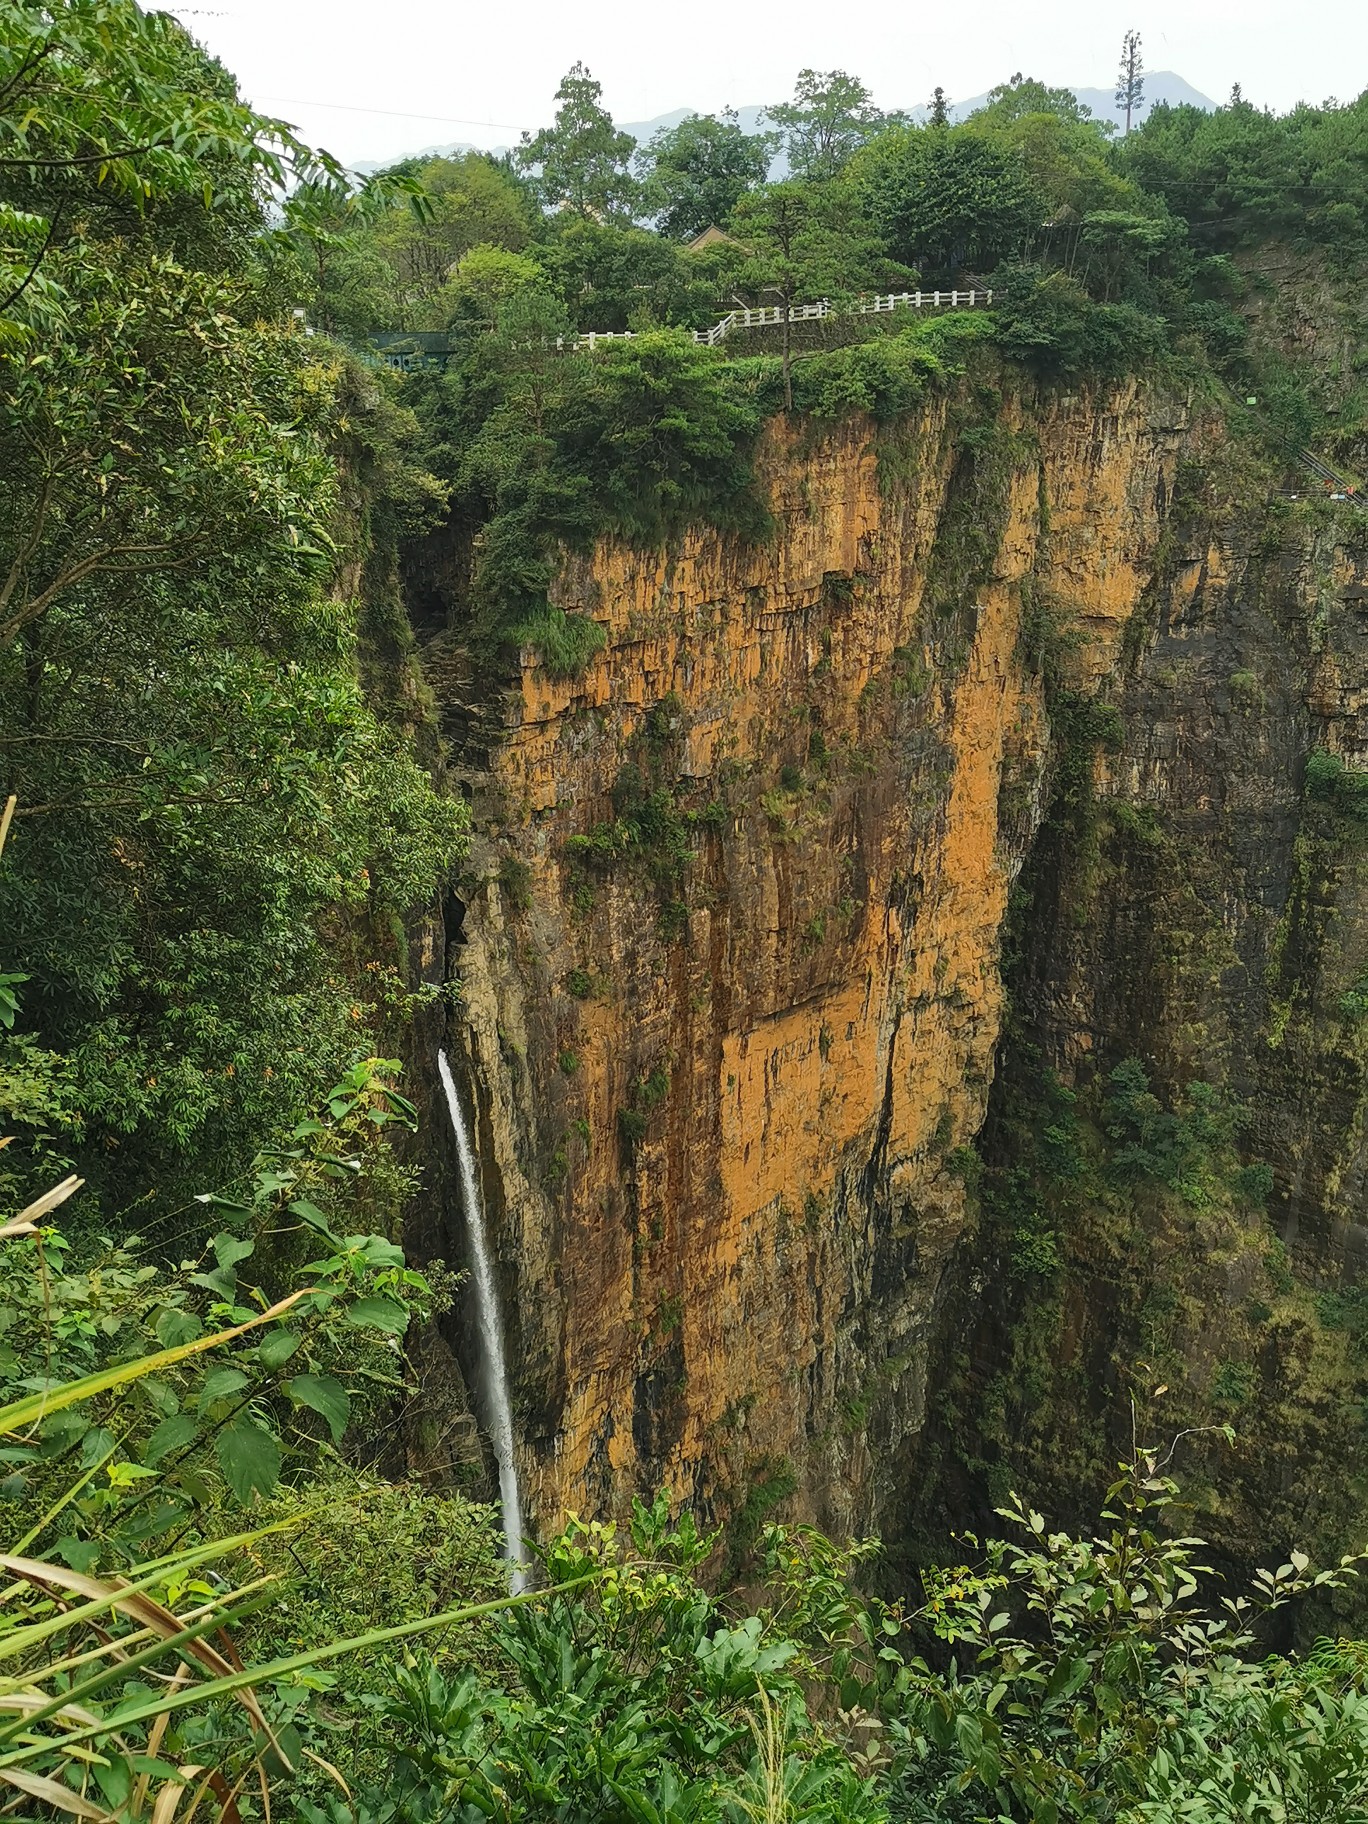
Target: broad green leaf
310 1213
219 1384
176 1328
250 1458
96 1445
230 1249
325 1396
220 1280
80 1554
277 1346
379 1314
172 1434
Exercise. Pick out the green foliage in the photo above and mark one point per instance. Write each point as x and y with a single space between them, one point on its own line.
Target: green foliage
202 785
634 1121
1238 174
113 116
474 205
612 277
829 118
654 831
640 439
564 641
580 162
946 198
319 1361
1047 322
694 174
644 1702
1096 1682
1023 98
1329 781
1185 1147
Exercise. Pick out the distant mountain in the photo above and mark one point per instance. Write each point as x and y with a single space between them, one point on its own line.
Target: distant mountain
1160 85
751 119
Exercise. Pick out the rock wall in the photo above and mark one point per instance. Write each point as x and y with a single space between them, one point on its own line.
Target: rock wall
731 939
1203 909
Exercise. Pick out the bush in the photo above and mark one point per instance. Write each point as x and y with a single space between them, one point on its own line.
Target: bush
1048 322
1329 781
566 642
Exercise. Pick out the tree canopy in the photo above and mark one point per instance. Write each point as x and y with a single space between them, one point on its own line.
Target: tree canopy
693 175
829 118
581 161
201 785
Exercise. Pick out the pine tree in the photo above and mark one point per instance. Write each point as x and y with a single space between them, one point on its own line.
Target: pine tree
1130 84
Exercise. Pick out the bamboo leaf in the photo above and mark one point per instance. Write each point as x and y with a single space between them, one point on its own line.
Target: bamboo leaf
207 1692
22 1413
52 1792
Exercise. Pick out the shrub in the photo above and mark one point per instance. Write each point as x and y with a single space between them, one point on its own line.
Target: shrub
566 642
1329 781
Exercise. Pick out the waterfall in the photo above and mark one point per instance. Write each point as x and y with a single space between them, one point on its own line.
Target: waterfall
498 1414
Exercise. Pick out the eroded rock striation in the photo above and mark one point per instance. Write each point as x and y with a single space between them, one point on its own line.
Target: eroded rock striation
732 944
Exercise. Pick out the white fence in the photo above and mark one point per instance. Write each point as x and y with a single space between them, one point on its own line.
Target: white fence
771 318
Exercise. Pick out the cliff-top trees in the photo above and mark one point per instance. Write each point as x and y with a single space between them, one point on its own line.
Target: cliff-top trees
695 174
945 198
804 241
830 117
580 161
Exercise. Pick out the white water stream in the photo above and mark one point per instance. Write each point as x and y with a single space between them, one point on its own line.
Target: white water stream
498 1414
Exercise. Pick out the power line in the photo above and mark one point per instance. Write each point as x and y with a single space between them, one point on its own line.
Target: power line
342 107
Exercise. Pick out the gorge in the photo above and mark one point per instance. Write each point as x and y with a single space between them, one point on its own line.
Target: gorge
683 959
737 1062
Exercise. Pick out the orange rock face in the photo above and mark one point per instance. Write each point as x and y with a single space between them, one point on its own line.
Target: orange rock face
728 1051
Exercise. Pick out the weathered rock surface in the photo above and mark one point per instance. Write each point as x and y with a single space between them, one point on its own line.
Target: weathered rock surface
725 1064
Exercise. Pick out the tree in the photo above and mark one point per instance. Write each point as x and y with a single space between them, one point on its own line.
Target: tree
940 108
1130 84
805 243
628 278
580 162
1024 95
830 117
200 781
946 198
1066 157
471 202
693 175
109 112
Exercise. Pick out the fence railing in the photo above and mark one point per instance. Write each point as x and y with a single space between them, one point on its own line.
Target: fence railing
762 317
771 316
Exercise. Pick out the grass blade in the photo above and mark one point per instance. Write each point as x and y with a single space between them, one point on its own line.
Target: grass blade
280 1668
20 1414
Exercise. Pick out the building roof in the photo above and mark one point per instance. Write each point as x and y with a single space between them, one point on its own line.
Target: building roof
712 236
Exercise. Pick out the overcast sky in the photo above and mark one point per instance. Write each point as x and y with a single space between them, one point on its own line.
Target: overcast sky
399 74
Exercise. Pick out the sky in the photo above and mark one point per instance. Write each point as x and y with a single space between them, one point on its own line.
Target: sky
376 80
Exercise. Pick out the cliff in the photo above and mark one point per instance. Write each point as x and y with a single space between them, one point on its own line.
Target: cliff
731 945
